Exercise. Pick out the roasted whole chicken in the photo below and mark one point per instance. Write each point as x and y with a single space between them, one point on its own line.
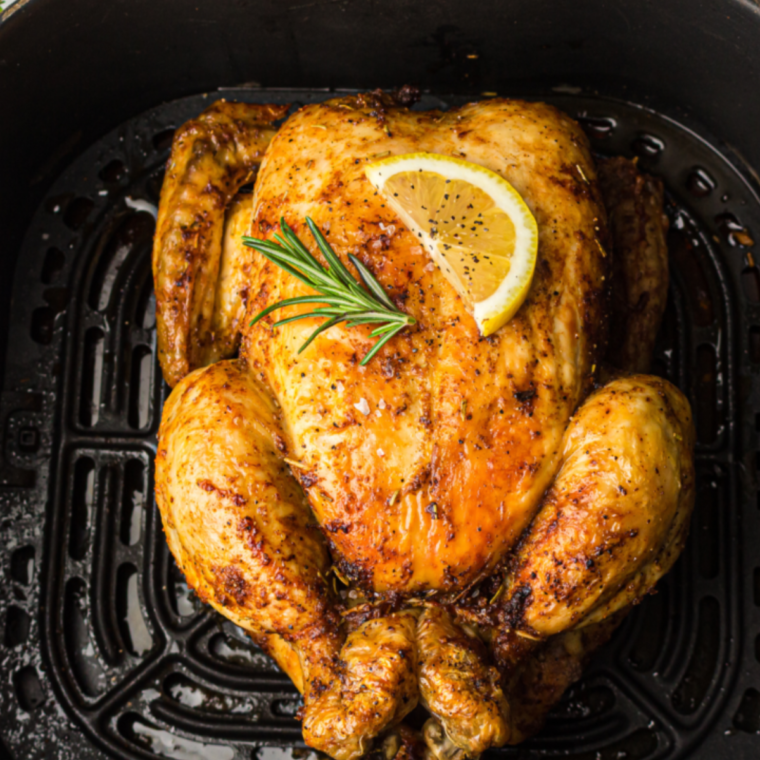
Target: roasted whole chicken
460 523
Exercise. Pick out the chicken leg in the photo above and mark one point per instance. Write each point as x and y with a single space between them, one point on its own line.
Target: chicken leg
241 530
373 686
614 521
610 527
459 687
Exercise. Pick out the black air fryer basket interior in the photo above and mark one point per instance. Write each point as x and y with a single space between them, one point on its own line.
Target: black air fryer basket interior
103 651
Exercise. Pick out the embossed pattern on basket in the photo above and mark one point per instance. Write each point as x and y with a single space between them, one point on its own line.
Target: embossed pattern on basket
104 646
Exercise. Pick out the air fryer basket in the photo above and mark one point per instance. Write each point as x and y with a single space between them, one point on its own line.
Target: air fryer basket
103 650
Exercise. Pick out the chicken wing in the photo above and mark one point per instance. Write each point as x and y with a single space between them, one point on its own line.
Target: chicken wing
233 283
212 156
640 275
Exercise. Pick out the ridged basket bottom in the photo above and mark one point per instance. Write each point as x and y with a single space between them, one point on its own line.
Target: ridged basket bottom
106 653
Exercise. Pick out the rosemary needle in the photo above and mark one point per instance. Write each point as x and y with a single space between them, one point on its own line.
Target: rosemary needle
343 297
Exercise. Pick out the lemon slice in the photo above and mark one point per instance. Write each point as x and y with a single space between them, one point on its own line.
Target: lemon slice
475 225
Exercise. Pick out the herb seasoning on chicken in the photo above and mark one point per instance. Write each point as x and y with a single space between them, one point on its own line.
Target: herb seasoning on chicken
462 520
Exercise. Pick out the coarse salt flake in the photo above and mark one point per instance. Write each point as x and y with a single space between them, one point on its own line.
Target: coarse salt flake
380 453
381 404
339 387
362 406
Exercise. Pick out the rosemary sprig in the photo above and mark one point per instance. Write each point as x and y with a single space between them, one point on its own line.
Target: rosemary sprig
345 299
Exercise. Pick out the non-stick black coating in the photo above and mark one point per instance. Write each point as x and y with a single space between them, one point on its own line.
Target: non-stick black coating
70 70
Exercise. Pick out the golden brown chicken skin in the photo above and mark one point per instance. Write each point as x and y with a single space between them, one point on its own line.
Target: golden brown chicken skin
493 517
240 528
413 493
458 684
212 156
218 463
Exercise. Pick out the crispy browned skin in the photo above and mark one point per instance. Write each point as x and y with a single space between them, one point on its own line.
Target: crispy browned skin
640 254
235 518
639 286
373 686
486 470
469 460
459 686
616 516
240 528
233 283
212 156
611 525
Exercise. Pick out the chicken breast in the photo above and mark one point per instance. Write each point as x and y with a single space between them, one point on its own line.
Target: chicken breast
425 466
